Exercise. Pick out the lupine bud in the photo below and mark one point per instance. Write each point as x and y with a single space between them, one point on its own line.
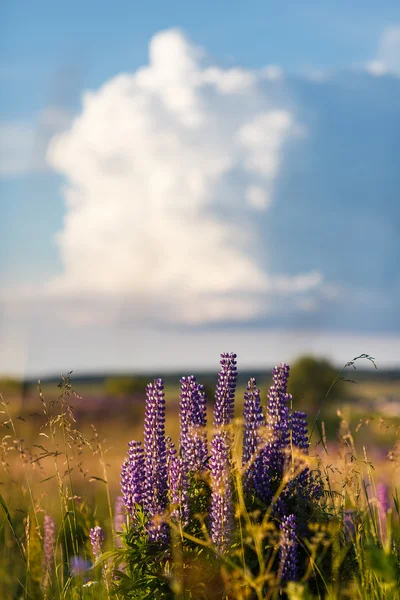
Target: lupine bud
288 550
97 538
132 477
49 544
221 516
155 462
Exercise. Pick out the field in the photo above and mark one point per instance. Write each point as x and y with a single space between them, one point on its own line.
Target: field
62 451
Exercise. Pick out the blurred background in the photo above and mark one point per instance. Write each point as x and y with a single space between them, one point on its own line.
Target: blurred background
180 179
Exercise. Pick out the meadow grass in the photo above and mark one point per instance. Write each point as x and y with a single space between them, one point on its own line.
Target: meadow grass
54 469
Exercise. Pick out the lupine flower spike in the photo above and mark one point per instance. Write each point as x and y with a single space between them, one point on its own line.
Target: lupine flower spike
300 443
269 465
221 516
193 442
253 423
132 480
177 485
49 545
97 538
289 549
155 462
383 507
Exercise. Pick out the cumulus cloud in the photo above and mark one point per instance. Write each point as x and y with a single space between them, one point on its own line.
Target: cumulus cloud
165 169
387 60
23 144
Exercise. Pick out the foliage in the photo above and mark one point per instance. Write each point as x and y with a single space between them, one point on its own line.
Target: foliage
123 386
310 380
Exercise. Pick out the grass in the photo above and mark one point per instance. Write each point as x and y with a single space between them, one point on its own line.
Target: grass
53 466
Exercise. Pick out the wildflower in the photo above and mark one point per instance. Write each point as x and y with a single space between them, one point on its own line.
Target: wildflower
155 462
49 544
253 421
300 442
177 484
193 420
278 410
132 483
79 566
382 493
348 522
221 492
269 464
288 551
225 392
97 538
221 515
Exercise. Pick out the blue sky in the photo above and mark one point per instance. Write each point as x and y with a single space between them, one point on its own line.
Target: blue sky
238 187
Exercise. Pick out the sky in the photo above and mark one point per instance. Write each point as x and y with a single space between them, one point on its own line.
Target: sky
183 179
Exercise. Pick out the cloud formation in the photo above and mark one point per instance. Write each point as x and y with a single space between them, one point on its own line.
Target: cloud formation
166 171
23 144
387 60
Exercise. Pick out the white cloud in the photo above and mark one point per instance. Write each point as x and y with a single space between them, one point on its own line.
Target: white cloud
387 59
272 72
23 143
257 197
160 166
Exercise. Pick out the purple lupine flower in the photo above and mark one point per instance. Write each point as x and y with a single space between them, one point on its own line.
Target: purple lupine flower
288 550
382 493
298 422
97 538
119 519
155 462
177 484
49 544
199 431
278 408
225 392
253 421
79 566
132 480
221 510
193 420
348 522
187 393
221 515
269 464
263 472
